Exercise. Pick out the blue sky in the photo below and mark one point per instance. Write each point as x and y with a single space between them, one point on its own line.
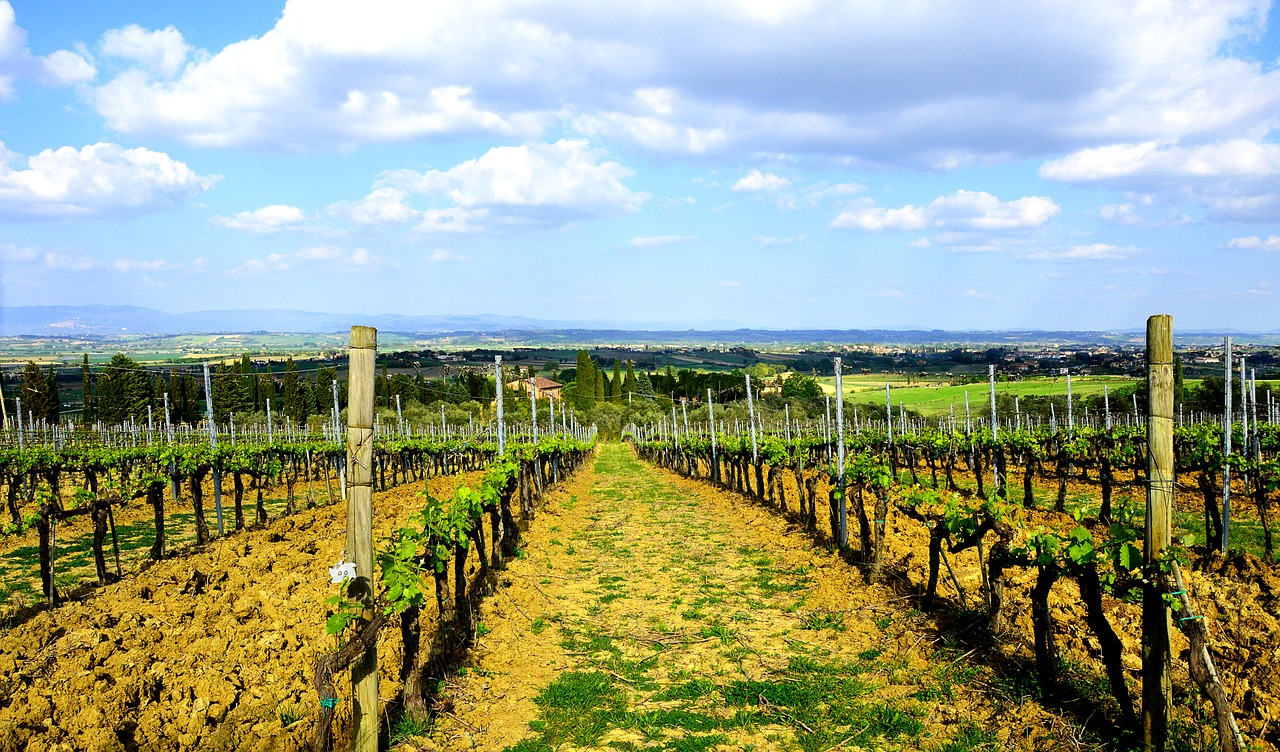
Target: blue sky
790 163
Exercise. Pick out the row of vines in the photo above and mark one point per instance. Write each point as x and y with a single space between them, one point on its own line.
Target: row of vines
957 492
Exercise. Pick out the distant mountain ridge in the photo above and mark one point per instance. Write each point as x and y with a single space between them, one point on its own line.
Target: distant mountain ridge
107 321
101 320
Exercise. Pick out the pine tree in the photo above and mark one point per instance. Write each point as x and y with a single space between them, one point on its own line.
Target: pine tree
644 387
38 400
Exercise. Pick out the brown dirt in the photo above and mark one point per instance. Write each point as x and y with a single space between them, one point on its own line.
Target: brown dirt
214 650
628 559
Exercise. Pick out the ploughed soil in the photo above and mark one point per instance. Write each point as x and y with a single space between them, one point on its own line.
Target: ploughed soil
645 611
211 650
654 612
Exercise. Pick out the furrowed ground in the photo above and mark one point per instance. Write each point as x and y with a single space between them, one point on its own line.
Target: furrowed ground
652 612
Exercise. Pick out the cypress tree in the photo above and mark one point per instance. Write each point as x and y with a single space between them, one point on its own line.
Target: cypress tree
599 385
629 382
86 390
292 397
615 384
585 392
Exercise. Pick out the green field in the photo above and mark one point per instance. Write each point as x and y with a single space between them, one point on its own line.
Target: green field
932 396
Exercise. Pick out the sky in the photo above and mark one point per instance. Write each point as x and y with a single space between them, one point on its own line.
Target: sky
781 164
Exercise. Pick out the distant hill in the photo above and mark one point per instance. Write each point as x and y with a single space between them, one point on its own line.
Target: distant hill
134 321
100 320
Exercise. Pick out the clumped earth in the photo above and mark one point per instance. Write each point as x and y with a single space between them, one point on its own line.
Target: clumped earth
652 612
214 650
645 611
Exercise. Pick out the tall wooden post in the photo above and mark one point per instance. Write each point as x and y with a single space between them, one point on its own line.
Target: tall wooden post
364 672
841 531
213 444
1157 693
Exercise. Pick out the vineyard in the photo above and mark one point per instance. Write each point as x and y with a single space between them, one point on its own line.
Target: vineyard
884 582
1027 547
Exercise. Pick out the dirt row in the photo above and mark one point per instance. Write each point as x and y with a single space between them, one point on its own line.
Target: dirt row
213 650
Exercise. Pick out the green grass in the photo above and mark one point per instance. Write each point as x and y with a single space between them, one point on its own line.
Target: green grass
932 396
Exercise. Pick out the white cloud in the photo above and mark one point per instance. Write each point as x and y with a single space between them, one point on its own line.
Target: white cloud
273 218
327 258
67 67
771 241
162 51
100 179
1271 243
536 184
655 241
62 67
962 209
1120 214
1236 158
758 181
731 283
1095 251
72 262
441 255
974 294
882 81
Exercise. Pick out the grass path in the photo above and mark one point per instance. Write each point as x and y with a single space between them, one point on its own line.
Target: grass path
651 612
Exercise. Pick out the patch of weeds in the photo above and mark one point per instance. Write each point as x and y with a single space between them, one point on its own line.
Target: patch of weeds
482 630
883 623
569 549
818 620
690 690
694 743
718 629
538 626
870 654
408 726
576 708
556 542
970 738
289 713
693 614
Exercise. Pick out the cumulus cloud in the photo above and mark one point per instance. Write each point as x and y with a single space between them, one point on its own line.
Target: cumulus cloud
1236 158
758 181
96 180
62 67
162 51
879 80
326 258
67 67
273 218
962 209
656 241
1253 242
443 256
531 184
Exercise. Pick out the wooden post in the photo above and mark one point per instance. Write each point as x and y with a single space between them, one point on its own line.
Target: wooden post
364 672
841 532
1226 451
711 425
995 432
213 444
1157 693
502 429
751 409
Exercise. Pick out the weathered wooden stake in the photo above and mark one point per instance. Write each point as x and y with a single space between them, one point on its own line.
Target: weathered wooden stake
364 672
213 444
1157 693
1226 451
502 430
